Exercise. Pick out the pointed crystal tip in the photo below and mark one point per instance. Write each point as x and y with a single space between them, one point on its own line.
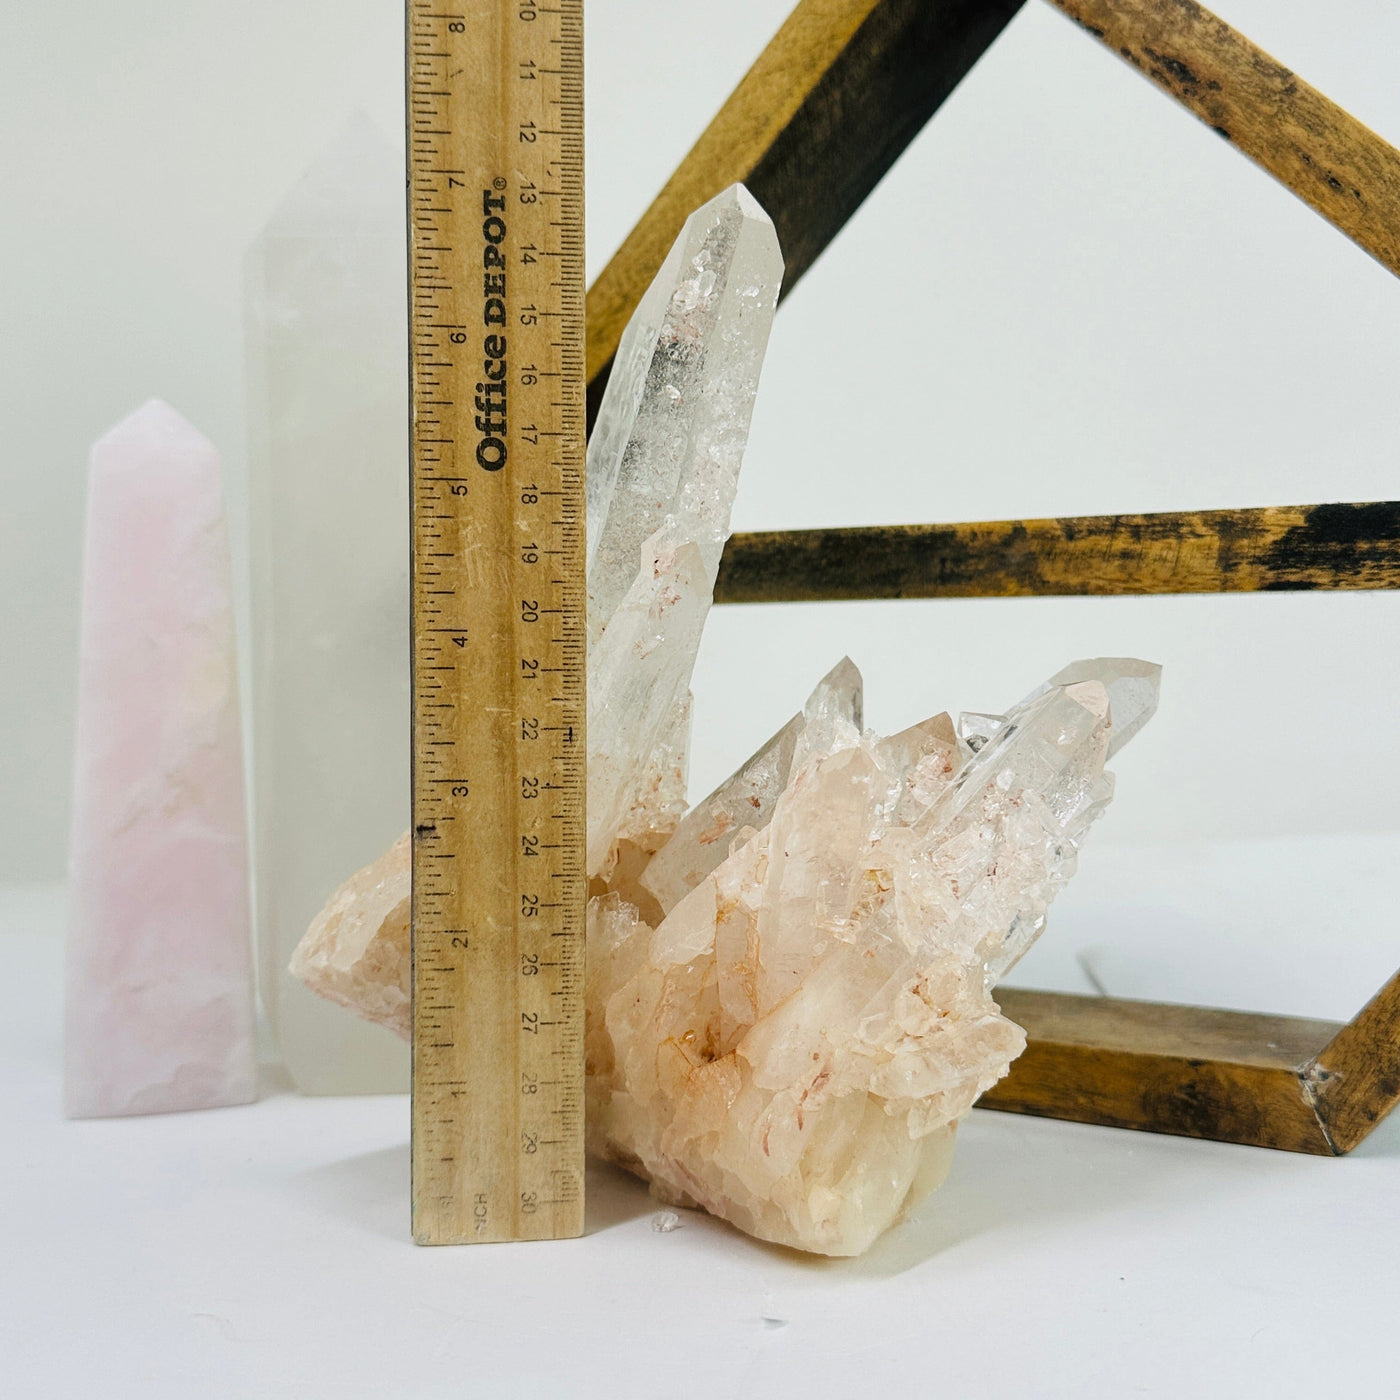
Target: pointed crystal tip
354 182
738 197
975 728
1133 688
839 692
156 429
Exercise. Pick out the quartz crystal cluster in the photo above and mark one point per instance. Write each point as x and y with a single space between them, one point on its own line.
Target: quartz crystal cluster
789 989
792 1046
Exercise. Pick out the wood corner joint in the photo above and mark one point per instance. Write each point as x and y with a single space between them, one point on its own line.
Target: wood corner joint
1313 1082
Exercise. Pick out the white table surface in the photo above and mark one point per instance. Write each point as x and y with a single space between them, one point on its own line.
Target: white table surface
263 1251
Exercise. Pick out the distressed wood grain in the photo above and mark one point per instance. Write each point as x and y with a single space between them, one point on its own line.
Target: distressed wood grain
1283 1082
1230 1076
1355 1079
1341 546
1324 155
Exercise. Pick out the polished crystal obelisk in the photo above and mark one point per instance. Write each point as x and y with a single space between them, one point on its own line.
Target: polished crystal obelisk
159 1011
328 410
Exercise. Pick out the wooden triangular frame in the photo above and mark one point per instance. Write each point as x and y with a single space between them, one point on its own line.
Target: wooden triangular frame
823 113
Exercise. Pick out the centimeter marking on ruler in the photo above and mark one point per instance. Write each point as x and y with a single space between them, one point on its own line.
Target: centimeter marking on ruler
496 332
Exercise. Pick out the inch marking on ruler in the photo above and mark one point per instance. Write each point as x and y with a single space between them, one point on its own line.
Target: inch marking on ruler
496 280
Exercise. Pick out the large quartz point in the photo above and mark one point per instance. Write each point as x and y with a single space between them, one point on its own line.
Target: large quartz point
793 1047
327 346
159 988
663 466
670 435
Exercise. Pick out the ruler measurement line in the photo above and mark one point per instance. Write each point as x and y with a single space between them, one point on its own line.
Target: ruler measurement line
496 283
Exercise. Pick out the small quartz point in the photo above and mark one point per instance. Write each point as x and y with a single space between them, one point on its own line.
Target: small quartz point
1132 687
328 486
746 798
976 729
793 1047
159 978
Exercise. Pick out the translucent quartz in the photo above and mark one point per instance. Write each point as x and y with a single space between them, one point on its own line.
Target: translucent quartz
358 951
159 988
1132 686
639 673
665 452
329 496
671 431
746 798
663 467
793 1046
789 989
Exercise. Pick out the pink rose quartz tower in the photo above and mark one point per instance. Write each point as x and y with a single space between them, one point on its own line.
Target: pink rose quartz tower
159 995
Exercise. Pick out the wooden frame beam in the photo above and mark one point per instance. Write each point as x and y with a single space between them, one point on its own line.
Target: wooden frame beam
1232 1076
1187 1070
1346 546
1356 1079
829 106
1320 152
845 85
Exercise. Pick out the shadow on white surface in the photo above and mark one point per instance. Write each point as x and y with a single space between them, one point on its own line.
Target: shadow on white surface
1012 1177
613 1197
1006 1178
1040 1186
371 1190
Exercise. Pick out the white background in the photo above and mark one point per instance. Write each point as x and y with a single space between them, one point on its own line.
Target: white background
262 1253
1068 297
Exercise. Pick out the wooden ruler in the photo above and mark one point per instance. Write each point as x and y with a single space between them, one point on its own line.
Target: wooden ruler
495 166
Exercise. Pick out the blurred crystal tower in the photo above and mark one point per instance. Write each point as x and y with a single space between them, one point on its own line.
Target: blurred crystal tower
328 413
